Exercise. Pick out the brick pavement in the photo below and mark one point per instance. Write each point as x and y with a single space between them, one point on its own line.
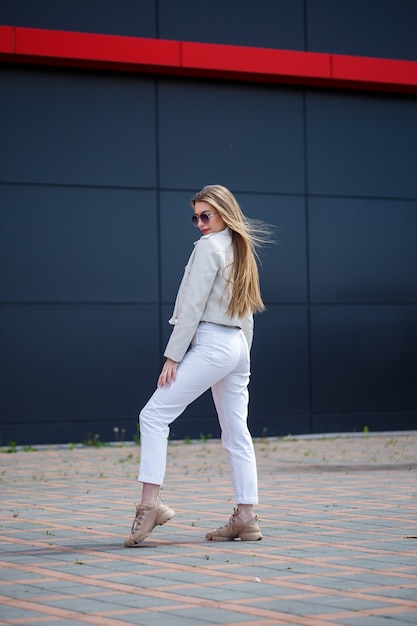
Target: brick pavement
339 518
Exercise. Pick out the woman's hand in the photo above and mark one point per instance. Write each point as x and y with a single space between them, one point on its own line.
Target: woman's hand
168 373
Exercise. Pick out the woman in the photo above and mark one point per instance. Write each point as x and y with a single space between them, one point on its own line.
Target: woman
214 313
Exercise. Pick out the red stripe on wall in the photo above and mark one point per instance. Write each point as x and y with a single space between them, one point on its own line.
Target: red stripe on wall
262 64
6 40
224 62
96 49
387 74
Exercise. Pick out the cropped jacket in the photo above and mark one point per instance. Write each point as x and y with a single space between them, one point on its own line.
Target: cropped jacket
204 294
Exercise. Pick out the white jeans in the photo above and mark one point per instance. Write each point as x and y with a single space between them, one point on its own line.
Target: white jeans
218 358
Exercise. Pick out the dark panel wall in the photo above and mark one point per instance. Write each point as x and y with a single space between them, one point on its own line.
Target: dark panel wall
209 131
372 28
78 244
73 369
79 253
364 367
353 142
363 250
70 129
134 18
96 172
277 24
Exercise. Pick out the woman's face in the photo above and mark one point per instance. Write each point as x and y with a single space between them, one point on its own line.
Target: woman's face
214 224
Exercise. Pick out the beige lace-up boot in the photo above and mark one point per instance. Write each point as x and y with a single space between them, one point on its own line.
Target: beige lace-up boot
236 528
146 518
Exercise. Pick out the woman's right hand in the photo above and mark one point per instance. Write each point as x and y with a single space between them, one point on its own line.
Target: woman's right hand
168 373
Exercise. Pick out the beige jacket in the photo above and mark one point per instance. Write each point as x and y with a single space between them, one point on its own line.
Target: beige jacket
202 296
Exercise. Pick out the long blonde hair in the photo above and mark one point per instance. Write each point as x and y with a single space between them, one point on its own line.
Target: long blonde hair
247 235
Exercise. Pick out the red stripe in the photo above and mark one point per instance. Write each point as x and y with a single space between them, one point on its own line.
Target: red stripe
266 65
6 40
112 52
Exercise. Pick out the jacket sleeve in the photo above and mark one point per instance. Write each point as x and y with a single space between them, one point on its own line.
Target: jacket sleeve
195 291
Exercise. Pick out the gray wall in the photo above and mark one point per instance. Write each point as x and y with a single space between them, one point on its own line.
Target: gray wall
96 171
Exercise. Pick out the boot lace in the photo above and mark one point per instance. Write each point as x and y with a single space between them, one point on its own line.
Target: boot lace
231 522
140 516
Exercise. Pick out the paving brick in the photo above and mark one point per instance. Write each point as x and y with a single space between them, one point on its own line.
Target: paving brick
338 514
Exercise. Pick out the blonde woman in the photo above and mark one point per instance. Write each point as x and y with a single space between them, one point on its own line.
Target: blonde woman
208 348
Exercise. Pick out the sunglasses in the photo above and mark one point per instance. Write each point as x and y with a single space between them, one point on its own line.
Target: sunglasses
204 217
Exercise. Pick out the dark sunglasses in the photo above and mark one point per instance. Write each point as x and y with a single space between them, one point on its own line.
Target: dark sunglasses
204 217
